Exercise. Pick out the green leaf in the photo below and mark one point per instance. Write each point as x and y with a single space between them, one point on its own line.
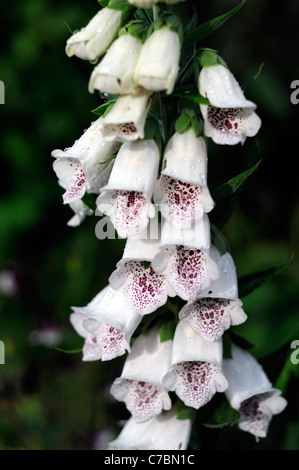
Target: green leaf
190 93
224 415
69 351
90 200
219 240
108 160
224 190
152 130
188 117
104 108
210 26
250 282
147 264
184 412
239 340
227 346
166 326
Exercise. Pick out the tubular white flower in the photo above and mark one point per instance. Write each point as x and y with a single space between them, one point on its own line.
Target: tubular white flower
181 191
163 432
157 68
114 74
184 258
127 196
107 324
78 168
140 385
230 118
125 122
218 307
144 289
251 393
95 38
195 374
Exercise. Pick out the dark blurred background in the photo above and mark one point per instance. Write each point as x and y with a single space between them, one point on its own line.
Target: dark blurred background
52 400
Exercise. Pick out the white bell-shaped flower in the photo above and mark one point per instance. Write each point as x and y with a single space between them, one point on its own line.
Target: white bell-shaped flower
218 306
126 120
196 367
114 74
184 258
140 385
158 63
151 3
126 199
95 38
144 289
251 393
81 168
181 191
230 117
163 432
107 324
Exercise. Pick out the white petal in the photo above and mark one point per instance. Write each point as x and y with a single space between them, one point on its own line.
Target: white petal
188 271
196 235
220 87
129 435
195 383
246 377
113 75
110 306
182 203
140 385
185 157
156 68
230 126
165 432
211 317
144 289
125 122
226 285
94 39
139 162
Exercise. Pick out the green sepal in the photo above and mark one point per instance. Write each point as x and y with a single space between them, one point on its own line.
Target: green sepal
190 93
136 28
167 19
187 118
103 3
104 108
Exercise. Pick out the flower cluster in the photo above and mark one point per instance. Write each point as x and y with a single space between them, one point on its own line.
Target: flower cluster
169 262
